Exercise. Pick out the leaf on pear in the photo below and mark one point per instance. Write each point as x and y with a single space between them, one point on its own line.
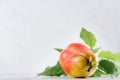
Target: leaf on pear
98 73
58 49
110 55
55 70
108 67
95 50
88 38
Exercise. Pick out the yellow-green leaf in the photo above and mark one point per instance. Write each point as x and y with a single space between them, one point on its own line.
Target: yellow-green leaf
110 55
88 38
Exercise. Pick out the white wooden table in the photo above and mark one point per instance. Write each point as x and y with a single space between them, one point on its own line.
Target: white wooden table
24 77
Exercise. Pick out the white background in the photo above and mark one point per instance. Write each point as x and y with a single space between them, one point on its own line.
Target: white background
31 29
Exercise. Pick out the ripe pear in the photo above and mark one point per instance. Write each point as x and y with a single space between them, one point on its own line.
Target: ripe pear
77 60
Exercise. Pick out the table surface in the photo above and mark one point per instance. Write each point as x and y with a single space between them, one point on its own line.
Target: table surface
14 77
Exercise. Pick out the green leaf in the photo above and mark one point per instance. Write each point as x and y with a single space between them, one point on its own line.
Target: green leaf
58 49
110 55
98 73
108 67
95 50
88 38
53 71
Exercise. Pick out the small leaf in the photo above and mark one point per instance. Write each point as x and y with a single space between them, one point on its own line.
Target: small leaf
95 50
110 55
88 38
98 73
58 49
108 67
53 71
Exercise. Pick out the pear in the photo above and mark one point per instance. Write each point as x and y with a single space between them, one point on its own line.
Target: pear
77 60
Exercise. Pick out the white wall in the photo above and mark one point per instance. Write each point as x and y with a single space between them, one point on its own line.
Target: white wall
31 29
